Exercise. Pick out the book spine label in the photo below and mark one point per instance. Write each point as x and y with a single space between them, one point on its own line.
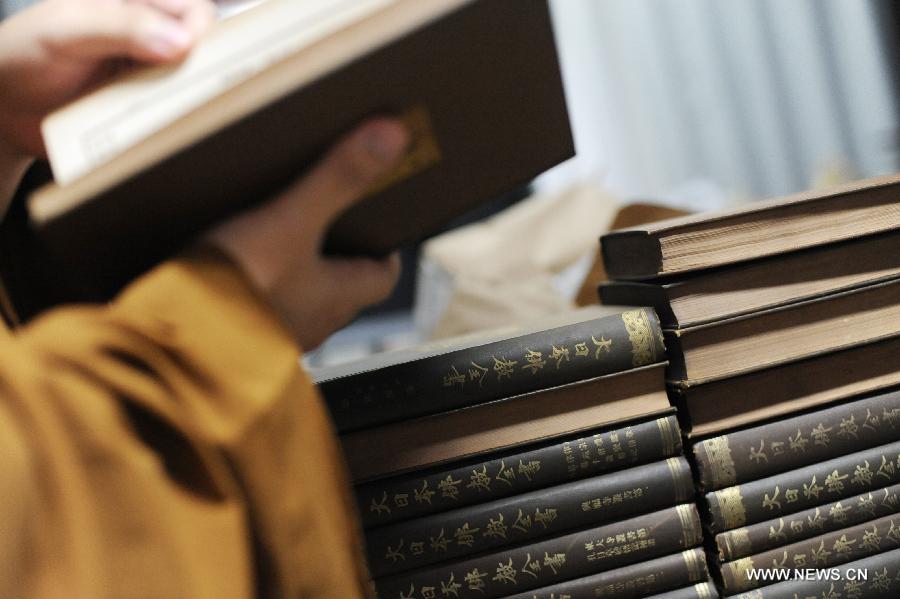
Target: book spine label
872 577
523 568
791 443
701 590
824 551
741 542
804 488
402 498
528 517
637 580
495 370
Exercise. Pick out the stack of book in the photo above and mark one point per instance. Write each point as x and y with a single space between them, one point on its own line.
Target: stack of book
540 463
782 322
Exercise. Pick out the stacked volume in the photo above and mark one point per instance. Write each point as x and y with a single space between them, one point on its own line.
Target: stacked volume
783 327
540 463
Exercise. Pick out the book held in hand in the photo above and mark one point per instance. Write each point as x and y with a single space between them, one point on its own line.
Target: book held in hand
150 161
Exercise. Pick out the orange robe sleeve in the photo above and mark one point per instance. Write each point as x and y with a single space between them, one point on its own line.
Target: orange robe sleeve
169 445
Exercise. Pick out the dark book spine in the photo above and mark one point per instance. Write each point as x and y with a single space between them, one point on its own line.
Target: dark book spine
741 542
824 551
529 517
402 498
701 590
495 370
535 565
803 488
874 577
795 442
636 580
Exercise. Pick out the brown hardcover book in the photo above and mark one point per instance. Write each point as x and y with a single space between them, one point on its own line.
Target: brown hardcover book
787 444
472 369
499 425
148 163
875 577
761 340
804 488
753 231
823 551
528 517
631 582
544 563
723 405
728 292
759 537
701 590
517 471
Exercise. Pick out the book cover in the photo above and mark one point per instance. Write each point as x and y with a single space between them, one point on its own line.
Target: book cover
402 385
517 471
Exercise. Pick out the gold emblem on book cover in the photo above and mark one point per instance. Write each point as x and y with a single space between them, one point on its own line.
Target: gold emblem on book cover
721 464
423 150
690 524
692 562
737 542
731 507
640 333
703 590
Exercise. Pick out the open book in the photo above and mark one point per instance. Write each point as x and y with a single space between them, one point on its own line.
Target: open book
143 165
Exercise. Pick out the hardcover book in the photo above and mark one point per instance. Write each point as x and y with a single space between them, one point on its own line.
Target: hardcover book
763 339
146 163
530 517
804 488
824 551
723 405
753 231
787 444
762 536
502 424
875 577
452 374
548 562
631 582
727 292
516 471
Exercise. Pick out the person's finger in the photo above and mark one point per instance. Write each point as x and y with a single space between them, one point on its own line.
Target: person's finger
195 15
133 30
346 173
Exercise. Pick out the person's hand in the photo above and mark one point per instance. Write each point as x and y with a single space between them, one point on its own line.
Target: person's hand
58 49
279 244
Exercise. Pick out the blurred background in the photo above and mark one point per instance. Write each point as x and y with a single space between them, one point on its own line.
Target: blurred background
691 104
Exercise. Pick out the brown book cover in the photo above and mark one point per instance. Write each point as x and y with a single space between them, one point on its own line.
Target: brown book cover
756 230
528 517
450 374
875 577
517 471
723 405
790 443
759 537
807 487
637 580
760 285
823 551
487 112
541 564
764 339
500 425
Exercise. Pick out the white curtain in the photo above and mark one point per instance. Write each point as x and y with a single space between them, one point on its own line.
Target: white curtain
707 101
